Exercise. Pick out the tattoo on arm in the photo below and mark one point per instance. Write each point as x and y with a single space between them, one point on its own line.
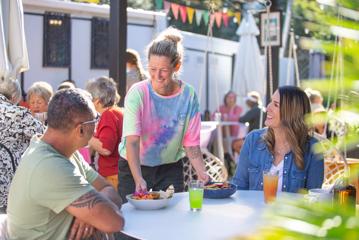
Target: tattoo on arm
88 200
193 152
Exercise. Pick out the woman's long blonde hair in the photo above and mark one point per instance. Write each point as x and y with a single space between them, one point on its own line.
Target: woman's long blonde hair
294 105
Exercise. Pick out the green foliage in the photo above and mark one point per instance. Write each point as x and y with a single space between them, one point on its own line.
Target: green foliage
298 219
142 4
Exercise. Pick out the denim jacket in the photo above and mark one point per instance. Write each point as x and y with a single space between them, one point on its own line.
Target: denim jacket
255 157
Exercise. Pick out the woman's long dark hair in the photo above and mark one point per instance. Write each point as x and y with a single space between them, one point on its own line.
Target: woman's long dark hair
294 105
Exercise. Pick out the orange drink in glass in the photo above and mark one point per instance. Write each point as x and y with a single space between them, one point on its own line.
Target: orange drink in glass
270 185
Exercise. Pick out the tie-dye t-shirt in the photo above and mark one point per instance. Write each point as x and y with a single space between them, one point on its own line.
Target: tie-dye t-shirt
165 124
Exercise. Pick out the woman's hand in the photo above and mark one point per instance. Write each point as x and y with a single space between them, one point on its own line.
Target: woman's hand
141 185
203 176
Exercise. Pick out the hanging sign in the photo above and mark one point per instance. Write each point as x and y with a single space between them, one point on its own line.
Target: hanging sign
270 29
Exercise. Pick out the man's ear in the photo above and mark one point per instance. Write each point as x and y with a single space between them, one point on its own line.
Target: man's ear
81 130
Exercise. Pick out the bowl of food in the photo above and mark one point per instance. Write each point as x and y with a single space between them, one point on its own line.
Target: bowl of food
149 200
219 190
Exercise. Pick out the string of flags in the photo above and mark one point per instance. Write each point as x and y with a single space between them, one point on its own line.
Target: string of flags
191 14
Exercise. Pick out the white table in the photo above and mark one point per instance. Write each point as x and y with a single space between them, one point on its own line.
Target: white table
218 219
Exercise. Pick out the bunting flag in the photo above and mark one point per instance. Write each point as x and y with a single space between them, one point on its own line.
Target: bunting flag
183 12
167 6
205 17
211 19
230 13
199 14
238 17
187 13
175 8
190 12
159 4
225 19
218 17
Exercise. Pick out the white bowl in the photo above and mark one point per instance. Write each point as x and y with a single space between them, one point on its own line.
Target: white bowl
148 204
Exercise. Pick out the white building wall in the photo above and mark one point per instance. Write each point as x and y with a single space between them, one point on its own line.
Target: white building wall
81 53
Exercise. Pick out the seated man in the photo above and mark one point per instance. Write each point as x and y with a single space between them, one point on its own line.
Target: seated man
55 194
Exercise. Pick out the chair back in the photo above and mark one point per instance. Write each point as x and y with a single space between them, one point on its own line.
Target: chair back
215 169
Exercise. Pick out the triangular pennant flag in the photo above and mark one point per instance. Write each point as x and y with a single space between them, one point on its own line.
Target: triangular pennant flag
159 4
230 13
190 12
225 19
167 6
218 16
175 8
183 11
238 17
205 17
211 19
199 14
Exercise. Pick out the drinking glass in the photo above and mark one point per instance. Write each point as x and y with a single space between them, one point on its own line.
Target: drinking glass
195 195
270 185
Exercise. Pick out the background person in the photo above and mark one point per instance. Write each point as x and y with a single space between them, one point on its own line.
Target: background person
109 129
55 194
18 126
135 72
230 111
66 84
161 123
253 115
285 146
38 97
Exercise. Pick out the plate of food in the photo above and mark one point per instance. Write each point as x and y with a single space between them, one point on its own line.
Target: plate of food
150 200
219 190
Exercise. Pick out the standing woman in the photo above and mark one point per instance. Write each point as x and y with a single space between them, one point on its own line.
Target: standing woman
109 129
134 69
230 111
286 146
161 123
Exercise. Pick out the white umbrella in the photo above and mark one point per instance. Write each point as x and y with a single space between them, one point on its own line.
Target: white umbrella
249 74
13 51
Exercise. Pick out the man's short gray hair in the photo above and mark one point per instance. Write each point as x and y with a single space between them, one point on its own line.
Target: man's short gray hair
104 89
68 107
42 89
11 89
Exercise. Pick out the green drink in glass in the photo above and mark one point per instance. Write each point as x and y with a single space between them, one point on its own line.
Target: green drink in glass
195 195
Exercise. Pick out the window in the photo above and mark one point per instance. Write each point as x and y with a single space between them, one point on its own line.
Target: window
99 43
57 38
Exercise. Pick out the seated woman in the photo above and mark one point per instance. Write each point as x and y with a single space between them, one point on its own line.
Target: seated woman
285 146
18 126
38 97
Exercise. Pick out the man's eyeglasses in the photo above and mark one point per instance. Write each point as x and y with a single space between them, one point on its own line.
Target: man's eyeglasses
95 120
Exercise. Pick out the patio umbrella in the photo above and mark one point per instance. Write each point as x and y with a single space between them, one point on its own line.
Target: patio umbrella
13 51
249 74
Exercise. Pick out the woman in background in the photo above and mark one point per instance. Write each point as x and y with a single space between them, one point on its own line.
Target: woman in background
38 97
109 129
230 111
285 146
135 72
18 126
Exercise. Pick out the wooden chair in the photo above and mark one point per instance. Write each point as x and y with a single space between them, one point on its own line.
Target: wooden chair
215 169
